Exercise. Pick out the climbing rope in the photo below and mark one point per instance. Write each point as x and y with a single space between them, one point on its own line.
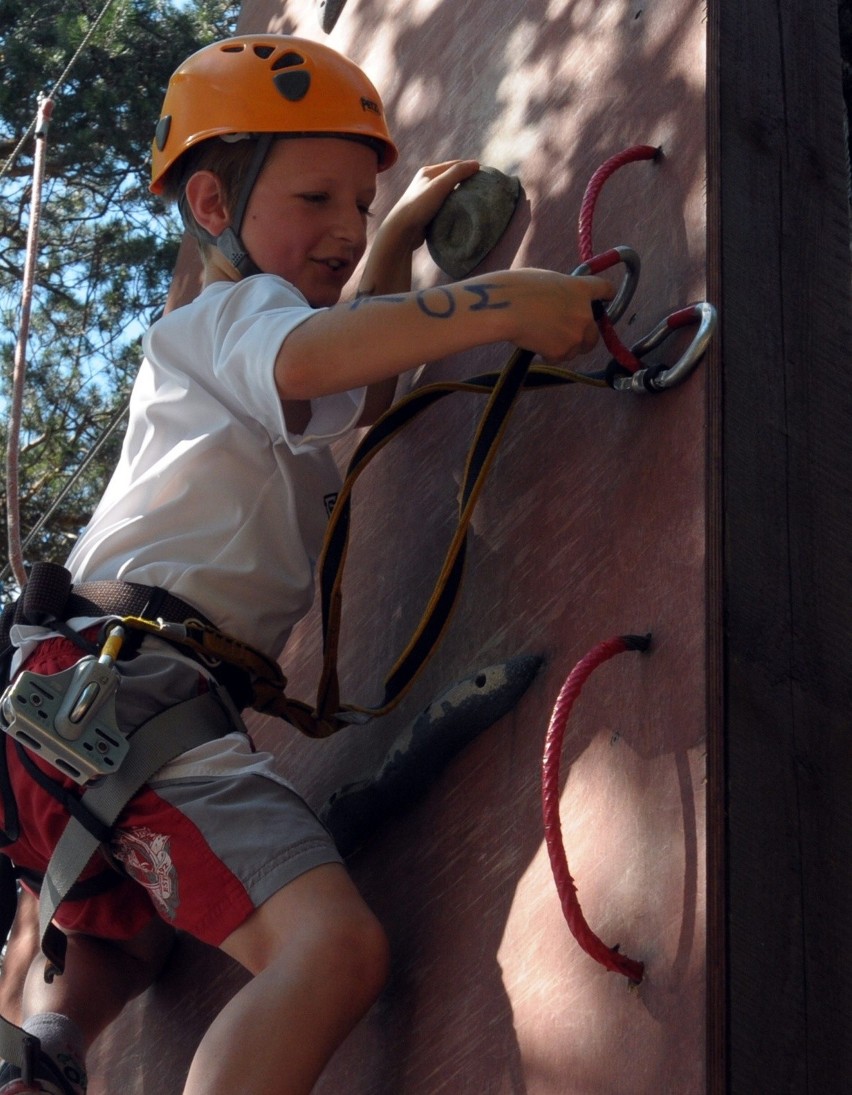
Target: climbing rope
13 516
38 127
51 94
565 886
70 482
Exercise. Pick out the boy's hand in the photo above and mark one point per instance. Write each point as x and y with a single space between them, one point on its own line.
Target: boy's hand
388 266
419 205
554 312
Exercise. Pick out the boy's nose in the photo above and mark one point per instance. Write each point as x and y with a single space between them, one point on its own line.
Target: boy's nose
350 225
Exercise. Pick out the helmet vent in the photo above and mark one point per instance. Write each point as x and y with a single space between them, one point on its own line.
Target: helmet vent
264 51
293 85
288 60
161 134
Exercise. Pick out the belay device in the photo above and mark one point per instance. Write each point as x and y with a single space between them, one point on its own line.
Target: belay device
69 717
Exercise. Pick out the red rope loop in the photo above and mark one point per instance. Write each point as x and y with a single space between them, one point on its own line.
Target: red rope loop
565 886
613 343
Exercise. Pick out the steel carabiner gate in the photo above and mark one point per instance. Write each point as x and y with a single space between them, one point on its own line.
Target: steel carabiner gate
658 378
616 307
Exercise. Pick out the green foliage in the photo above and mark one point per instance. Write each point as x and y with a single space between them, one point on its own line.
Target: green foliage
107 247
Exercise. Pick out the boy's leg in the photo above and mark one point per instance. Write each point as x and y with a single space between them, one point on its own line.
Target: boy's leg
100 977
21 948
320 960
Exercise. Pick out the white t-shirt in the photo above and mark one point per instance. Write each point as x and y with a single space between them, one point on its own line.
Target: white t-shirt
213 498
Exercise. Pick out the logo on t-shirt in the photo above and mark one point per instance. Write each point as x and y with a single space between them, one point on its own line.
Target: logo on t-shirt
329 501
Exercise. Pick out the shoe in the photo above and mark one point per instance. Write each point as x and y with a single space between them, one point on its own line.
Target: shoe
49 1080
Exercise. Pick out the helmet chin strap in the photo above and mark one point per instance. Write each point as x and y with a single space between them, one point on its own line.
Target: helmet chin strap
229 242
232 247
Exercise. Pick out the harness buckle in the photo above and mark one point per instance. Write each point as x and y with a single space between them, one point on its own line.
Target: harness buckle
659 378
616 307
68 718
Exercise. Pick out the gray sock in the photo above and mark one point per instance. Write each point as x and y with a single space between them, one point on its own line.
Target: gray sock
61 1041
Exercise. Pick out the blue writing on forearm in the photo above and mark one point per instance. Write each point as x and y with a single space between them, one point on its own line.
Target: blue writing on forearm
437 313
484 301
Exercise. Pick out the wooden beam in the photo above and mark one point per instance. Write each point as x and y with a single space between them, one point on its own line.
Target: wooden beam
780 234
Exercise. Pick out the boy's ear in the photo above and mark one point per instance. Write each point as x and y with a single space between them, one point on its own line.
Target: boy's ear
206 199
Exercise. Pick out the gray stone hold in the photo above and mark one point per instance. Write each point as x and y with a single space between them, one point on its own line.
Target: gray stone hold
423 749
472 220
329 13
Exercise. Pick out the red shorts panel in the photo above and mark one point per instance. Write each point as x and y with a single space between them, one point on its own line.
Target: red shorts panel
216 833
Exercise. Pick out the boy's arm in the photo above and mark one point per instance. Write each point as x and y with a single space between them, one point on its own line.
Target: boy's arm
388 329
373 339
388 265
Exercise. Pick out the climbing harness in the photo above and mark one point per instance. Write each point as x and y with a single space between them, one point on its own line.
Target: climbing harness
68 718
164 737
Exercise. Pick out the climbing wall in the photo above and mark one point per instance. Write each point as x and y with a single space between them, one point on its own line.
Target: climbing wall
594 523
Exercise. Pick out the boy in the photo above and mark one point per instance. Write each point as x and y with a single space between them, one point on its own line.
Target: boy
270 145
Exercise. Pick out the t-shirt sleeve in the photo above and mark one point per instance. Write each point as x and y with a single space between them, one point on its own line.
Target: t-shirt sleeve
256 317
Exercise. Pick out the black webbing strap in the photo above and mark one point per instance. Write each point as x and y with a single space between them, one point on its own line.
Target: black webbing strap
49 597
503 388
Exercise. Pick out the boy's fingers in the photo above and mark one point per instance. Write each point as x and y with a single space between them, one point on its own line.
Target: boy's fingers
449 165
599 288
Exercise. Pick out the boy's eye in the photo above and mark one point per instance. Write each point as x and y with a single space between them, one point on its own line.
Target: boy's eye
321 197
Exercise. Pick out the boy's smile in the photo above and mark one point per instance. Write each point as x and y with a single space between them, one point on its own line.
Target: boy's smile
307 216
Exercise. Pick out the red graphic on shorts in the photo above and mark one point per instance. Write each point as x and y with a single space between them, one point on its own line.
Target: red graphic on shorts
146 856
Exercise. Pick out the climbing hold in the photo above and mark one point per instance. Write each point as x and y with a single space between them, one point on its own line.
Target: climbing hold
329 13
422 750
472 220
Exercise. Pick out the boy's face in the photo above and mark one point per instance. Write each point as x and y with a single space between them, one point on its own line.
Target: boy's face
307 215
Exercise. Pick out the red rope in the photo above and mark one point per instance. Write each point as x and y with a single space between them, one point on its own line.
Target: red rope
613 343
567 890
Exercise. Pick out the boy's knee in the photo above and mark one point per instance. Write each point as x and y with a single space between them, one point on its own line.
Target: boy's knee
320 922
374 955
356 954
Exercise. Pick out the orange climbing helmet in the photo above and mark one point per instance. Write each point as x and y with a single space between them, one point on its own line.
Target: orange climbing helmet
267 83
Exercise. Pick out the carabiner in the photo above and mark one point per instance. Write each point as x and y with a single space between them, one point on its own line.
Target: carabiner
657 378
616 307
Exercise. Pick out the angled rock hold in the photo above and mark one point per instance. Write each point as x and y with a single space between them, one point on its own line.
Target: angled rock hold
424 748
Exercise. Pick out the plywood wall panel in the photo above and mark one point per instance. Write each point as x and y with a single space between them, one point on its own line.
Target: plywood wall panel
593 524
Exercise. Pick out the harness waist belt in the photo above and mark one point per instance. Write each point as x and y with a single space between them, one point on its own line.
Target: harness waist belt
129 599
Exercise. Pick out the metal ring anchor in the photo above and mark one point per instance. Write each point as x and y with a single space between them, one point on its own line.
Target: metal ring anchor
616 307
657 378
